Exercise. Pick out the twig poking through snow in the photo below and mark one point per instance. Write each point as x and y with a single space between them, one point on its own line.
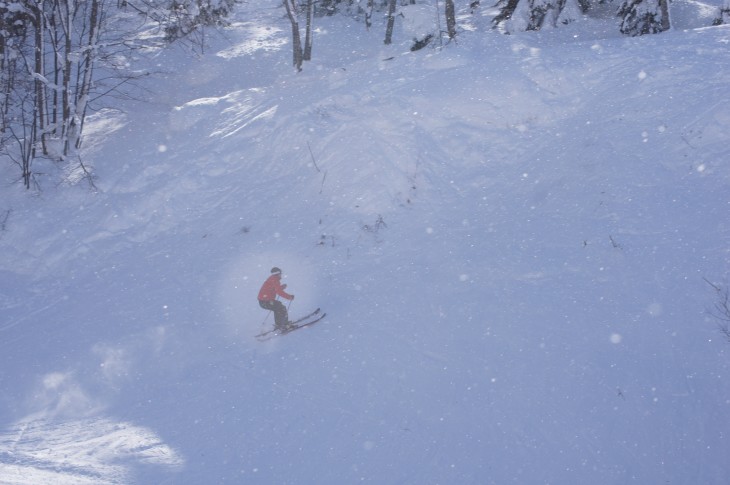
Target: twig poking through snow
324 174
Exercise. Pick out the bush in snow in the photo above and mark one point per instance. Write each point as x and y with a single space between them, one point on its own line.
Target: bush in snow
641 17
723 15
524 15
180 18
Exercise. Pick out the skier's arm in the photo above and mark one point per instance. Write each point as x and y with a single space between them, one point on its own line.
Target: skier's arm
280 291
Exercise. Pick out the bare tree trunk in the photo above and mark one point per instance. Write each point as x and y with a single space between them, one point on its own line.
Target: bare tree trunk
391 22
89 59
27 153
52 24
664 9
4 77
39 105
25 142
8 65
308 31
65 21
369 14
505 12
450 19
291 12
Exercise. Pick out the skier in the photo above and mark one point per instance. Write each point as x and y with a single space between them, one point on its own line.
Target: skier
267 299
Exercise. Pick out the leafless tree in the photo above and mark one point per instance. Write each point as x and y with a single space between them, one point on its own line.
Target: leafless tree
51 55
450 14
309 6
391 22
292 12
300 52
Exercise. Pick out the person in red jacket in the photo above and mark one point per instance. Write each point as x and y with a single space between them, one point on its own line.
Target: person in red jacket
272 288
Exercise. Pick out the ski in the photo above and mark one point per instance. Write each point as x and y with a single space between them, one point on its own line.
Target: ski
302 325
304 317
295 322
276 333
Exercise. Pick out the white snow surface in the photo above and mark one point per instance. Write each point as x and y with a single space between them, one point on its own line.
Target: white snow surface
512 236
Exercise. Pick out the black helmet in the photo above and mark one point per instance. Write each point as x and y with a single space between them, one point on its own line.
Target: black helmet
275 270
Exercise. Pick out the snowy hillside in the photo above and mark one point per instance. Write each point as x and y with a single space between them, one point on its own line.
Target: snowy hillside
511 237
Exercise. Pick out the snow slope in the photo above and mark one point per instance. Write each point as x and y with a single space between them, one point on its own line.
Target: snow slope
510 236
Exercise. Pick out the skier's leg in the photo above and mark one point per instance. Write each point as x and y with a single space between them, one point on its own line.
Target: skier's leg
281 316
273 306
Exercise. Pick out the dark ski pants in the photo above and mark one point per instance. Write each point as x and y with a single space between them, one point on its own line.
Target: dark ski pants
281 316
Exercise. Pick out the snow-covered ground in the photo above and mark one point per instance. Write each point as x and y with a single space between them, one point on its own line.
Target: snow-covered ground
511 236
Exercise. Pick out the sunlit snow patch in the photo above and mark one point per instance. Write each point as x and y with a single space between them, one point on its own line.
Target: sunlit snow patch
240 109
258 38
98 128
97 451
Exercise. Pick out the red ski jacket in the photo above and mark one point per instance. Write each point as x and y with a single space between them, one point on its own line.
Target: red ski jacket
272 287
